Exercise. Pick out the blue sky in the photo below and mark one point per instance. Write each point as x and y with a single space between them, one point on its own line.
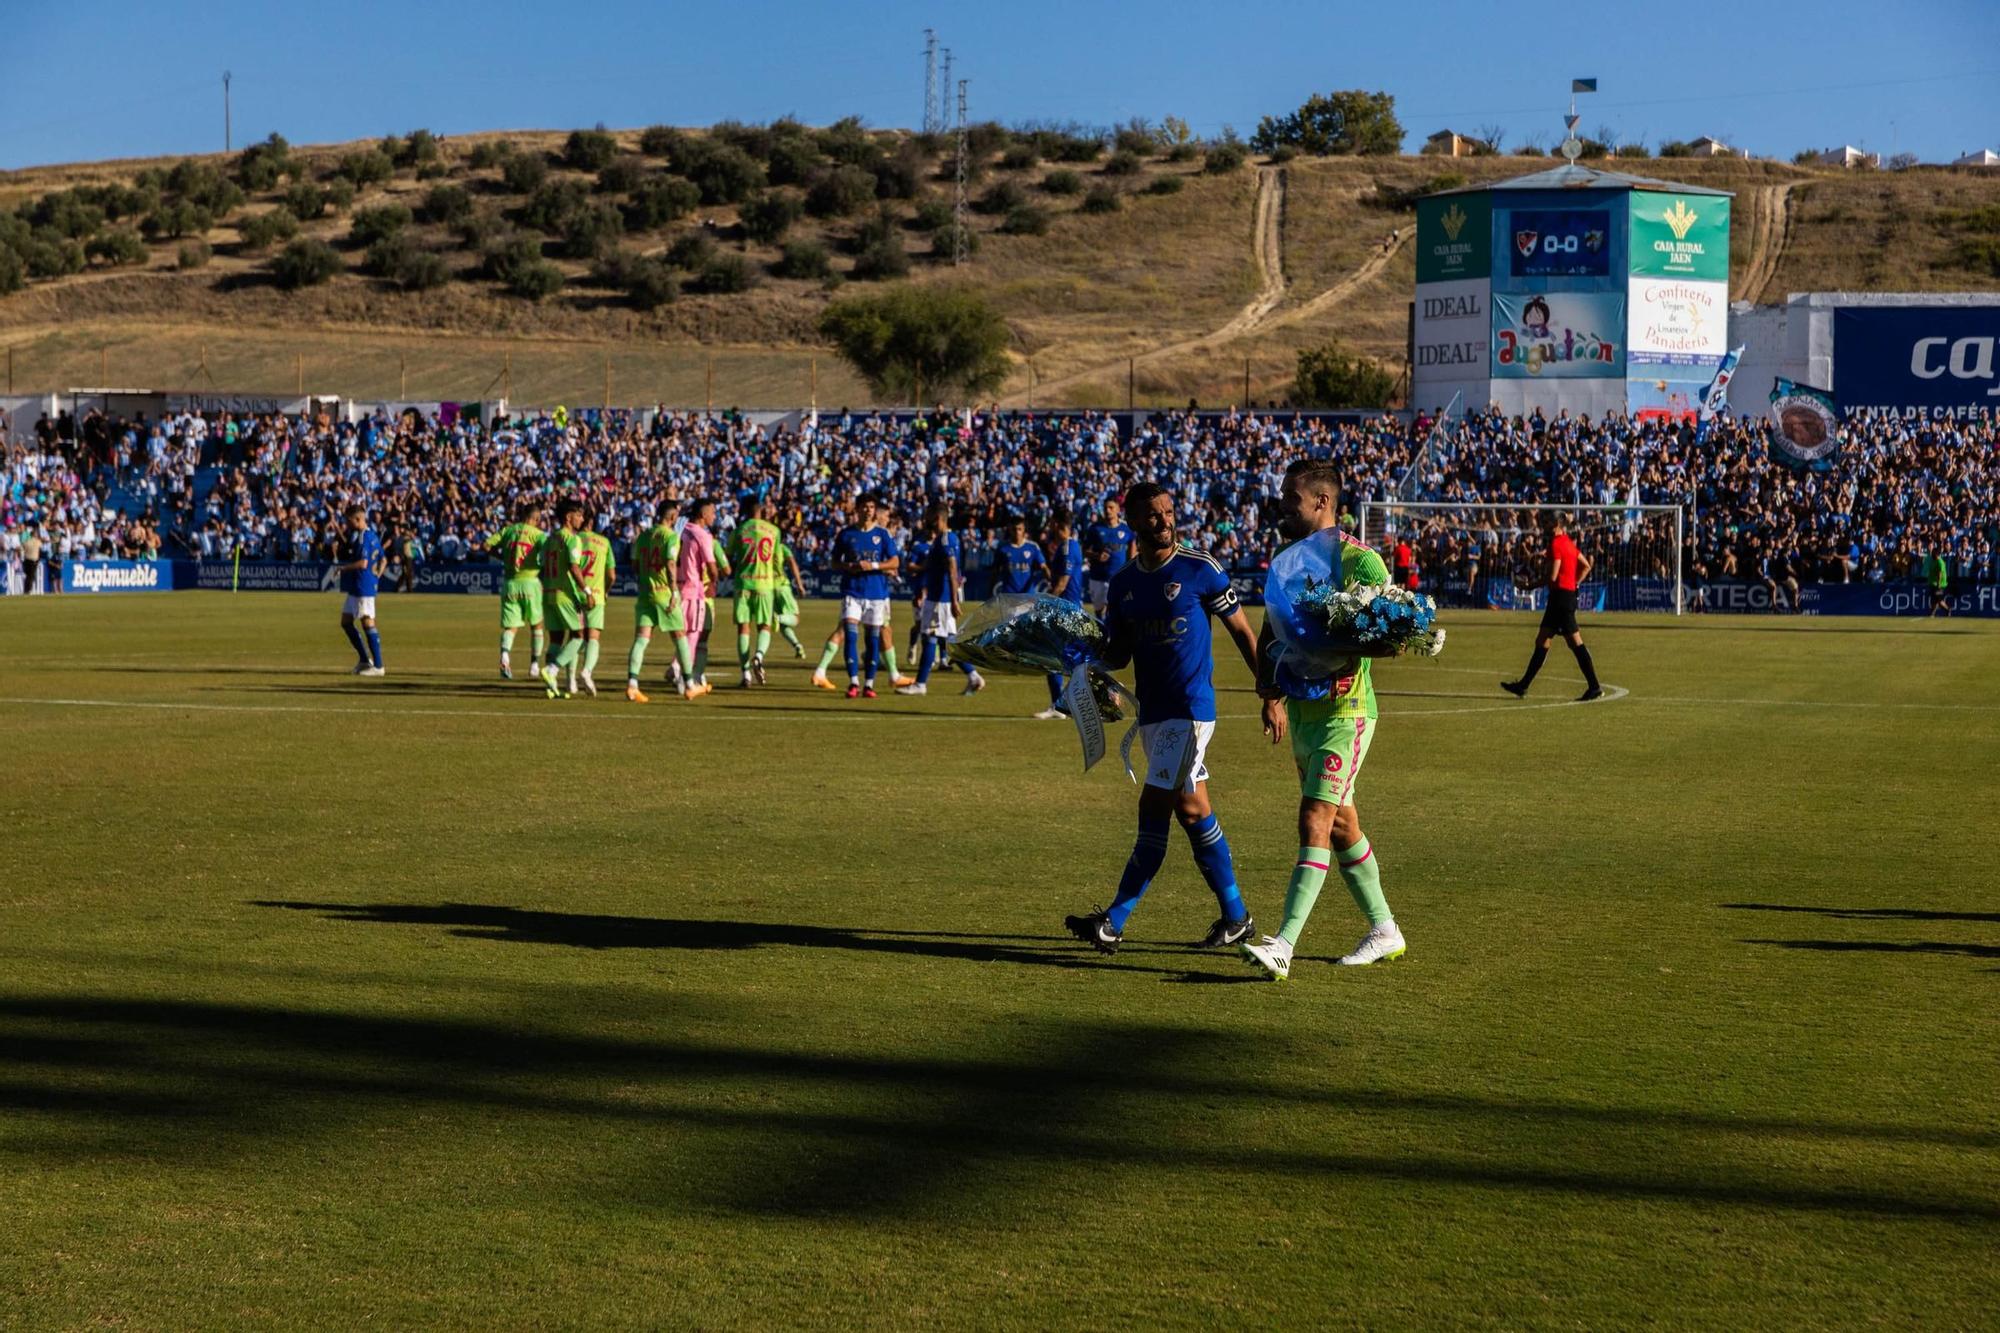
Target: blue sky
96 80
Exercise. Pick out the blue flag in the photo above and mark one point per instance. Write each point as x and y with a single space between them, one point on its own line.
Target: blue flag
1805 427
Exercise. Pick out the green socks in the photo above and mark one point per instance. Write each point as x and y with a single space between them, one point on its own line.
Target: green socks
591 648
1363 874
566 653
1307 878
889 660
826 657
635 660
684 654
743 650
506 641
541 644
792 637
763 641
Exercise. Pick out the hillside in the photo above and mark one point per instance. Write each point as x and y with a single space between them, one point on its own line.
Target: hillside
1119 267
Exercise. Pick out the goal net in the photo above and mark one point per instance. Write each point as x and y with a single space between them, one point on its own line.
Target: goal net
1495 556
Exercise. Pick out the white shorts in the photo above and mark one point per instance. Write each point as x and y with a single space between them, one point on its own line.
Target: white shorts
872 611
937 619
1176 753
361 608
1098 591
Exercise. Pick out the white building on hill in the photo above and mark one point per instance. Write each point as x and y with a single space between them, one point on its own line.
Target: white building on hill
1985 157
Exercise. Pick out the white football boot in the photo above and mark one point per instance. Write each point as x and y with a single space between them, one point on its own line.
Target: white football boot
1380 945
1272 953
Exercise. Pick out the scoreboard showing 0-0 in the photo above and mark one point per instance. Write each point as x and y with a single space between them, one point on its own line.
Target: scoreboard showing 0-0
1560 243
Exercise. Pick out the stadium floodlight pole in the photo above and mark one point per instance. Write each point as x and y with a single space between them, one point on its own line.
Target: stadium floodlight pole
225 111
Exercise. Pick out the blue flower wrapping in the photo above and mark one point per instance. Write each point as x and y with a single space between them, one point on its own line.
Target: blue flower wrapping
1033 634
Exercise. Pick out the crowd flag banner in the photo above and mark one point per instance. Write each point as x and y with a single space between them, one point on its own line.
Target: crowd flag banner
1805 428
1715 398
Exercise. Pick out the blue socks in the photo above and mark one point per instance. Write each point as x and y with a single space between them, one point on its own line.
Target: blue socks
375 646
871 649
360 648
1211 853
852 637
927 661
1148 852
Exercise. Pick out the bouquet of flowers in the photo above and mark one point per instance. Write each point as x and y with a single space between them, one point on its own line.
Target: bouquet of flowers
1373 616
1033 634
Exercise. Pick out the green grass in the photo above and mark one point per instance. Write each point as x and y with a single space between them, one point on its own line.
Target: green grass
428 1002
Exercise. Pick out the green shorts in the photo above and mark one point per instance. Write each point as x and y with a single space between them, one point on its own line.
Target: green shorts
788 605
564 614
756 606
593 618
659 614
1328 749
520 603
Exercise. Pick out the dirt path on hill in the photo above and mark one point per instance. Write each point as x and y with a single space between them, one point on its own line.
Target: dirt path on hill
1261 313
1770 230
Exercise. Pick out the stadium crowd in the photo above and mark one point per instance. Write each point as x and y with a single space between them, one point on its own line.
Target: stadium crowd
1899 491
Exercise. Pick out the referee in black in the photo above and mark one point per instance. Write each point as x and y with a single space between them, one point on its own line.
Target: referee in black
1568 567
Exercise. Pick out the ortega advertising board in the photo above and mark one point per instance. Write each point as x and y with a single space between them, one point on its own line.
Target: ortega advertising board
1680 236
1454 238
1558 335
1917 361
1558 242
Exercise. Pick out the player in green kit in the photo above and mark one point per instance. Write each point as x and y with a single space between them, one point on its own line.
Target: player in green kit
563 594
656 552
519 546
597 570
758 574
1331 721
791 587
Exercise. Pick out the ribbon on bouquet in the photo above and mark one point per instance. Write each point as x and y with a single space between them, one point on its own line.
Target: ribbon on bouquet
1080 698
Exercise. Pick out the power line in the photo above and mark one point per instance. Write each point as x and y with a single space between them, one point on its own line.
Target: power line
930 81
959 246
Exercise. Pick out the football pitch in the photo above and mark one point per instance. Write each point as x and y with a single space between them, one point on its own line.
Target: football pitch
427 1001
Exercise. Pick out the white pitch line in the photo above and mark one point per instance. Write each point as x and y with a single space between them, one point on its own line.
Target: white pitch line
1613 693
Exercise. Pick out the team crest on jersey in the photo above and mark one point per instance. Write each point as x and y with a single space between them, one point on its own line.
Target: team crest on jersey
1173 591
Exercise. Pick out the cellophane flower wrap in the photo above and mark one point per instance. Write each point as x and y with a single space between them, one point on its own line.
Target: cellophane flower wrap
1322 625
1033 634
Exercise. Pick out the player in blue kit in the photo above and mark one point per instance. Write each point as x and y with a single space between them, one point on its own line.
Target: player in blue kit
943 602
866 555
1066 580
1158 620
1109 545
1020 567
361 564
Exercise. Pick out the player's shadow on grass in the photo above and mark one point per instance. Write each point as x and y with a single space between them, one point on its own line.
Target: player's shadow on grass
399 687
783 1128
580 930
1888 946
1868 913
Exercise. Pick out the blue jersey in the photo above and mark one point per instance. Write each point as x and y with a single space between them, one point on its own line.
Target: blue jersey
1066 574
873 544
914 559
937 567
1160 617
366 547
1109 547
1019 568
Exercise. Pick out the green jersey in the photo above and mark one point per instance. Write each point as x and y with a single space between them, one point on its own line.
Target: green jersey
1938 570
1355 696
595 567
657 552
757 567
562 557
520 548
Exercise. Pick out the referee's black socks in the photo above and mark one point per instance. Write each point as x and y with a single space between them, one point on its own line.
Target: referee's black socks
1582 652
1534 665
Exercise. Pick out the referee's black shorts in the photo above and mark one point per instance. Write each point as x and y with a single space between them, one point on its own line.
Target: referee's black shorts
1559 617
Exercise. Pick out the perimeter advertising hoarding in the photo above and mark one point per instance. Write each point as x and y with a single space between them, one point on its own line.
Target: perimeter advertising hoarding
1559 335
1454 238
1680 236
1917 361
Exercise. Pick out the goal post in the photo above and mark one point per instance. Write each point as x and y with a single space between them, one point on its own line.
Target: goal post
1495 556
